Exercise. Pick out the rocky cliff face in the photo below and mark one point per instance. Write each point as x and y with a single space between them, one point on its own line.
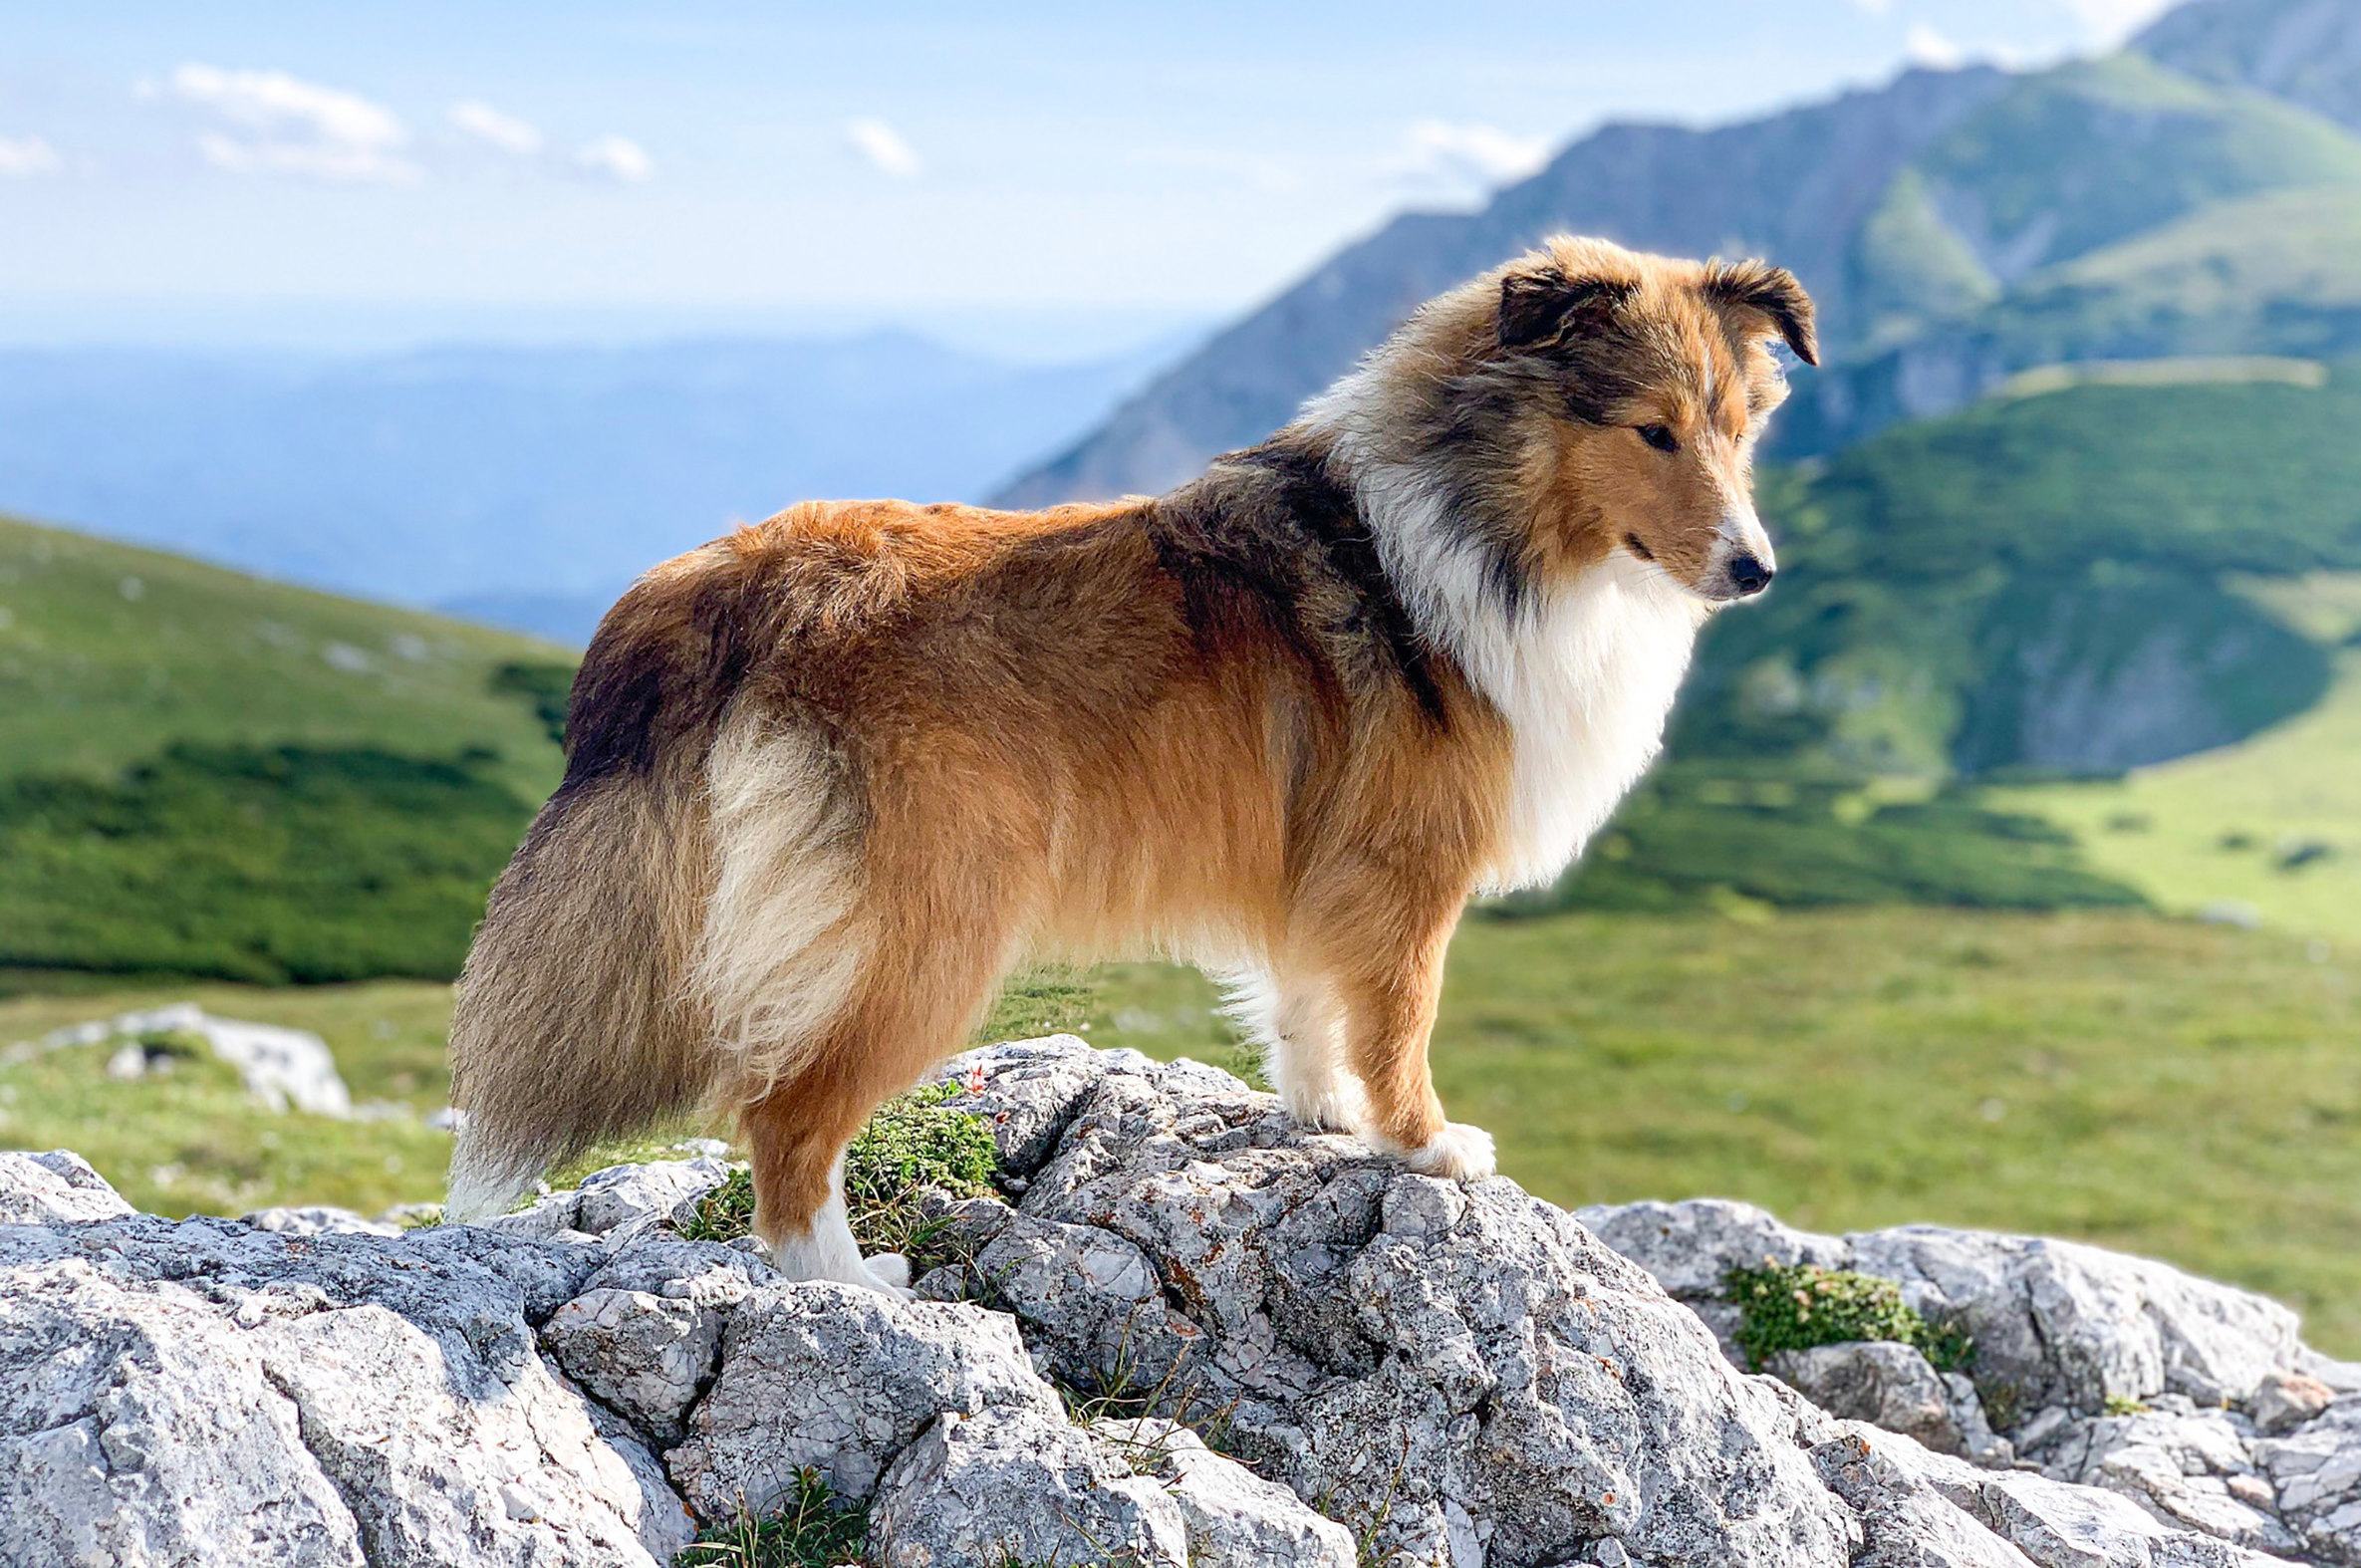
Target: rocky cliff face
1187 1333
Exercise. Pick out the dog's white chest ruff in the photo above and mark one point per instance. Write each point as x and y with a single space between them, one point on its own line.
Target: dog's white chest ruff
1585 682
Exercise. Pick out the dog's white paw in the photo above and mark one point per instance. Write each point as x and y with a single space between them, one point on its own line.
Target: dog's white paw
1458 1152
890 1272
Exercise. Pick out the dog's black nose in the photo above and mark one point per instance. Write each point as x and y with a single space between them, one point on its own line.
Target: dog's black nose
1750 575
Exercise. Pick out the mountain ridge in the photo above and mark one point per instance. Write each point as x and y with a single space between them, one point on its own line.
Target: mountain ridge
1939 220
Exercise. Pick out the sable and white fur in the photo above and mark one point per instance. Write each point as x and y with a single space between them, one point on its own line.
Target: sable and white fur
830 778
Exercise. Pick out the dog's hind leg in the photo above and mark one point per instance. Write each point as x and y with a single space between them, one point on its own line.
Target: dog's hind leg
933 967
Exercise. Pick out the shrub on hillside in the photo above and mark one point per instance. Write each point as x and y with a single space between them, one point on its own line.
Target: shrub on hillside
262 864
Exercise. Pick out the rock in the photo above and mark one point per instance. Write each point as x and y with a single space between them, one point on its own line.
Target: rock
842 1380
621 1195
549 1217
280 1067
205 1392
318 1219
2188 1465
2055 1321
1017 1486
1906 1522
2315 1472
2046 1522
1465 1370
1885 1384
2283 1400
1235 1518
645 1356
644 1335
56 1188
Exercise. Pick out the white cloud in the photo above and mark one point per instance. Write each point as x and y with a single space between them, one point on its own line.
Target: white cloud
288 126
28 158
884 147
506 133
615 157
1467 153
1926 47
1875 7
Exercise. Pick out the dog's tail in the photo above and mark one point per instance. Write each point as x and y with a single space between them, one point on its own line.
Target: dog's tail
566 1031
636 937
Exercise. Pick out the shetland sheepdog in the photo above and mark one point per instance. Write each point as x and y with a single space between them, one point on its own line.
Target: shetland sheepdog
832 777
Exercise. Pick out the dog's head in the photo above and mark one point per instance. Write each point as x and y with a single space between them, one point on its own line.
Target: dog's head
1587 400
1646 383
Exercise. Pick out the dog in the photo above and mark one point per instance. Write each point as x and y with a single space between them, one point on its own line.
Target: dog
830 778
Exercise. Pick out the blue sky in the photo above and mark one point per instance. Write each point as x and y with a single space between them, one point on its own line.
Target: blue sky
253 170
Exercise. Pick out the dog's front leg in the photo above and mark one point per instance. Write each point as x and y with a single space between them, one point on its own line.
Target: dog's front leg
1389 990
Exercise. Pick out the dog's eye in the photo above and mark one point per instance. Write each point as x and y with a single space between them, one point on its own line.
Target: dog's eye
1660 436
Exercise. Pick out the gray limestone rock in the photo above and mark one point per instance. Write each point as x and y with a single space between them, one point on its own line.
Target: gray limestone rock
1879 1382
54 1188
1235 1518
842 1380
1019 1485
319 1220
205 1392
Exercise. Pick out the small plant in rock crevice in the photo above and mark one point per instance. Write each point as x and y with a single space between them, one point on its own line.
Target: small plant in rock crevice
913 1143
2004 1403
811 1528
1797 1306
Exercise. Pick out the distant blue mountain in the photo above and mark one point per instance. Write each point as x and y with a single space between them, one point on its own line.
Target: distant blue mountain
524 485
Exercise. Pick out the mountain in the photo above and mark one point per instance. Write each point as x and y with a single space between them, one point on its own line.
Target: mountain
525 483
205 773
2307 52
1954 227
2113 210
1794 186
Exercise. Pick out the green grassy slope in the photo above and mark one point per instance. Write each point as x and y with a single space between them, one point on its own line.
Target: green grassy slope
208 774
1946 583
109 652
2068 165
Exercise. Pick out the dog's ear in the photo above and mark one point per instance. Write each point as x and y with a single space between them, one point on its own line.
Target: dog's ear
1775 293
1547 306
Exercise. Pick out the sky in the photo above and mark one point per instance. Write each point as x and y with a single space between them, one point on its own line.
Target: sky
1066 172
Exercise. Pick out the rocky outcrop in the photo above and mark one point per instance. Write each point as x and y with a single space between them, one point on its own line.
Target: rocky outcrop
1193 1333
2194 1402
281 1068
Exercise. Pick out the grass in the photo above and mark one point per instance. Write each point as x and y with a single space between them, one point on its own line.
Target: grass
912 1144
206 774
2185 1091
812 1528
267 864
2274 824
107 652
